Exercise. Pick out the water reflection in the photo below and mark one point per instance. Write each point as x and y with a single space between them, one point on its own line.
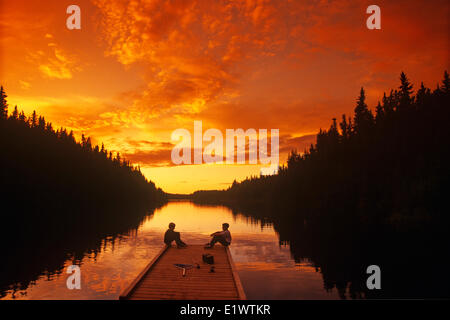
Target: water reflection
107 265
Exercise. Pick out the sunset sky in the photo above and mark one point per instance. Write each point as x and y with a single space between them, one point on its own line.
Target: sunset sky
138 70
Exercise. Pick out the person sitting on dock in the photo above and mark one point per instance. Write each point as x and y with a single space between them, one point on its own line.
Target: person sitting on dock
172 235
224 237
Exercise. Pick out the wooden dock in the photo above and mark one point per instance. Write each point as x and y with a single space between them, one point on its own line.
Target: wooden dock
161 279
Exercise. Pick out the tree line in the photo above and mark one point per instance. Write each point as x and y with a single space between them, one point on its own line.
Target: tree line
387 165
371 190
46 172
61 198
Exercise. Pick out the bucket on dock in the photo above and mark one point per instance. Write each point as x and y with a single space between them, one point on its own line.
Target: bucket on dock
207 258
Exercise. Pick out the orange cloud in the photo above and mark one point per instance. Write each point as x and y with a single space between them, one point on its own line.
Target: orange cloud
191 49
137 70
60 66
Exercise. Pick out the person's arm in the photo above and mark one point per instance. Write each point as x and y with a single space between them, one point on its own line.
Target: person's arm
216 233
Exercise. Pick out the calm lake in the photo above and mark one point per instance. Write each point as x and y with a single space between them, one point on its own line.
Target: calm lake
266 268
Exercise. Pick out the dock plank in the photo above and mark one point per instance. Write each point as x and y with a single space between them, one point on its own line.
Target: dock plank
162 280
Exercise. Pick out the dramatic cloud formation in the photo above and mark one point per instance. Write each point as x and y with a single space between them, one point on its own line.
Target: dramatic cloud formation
137 70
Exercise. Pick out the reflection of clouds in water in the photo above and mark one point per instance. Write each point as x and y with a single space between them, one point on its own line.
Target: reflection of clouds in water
261 249
203 219
104 276
279 283
266 269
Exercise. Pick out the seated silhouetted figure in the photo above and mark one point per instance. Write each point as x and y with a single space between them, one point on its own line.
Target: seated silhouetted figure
224 237
172 235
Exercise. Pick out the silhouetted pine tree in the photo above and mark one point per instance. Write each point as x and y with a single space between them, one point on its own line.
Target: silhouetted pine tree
345 128
15 114
446 83
3 104
33 120
405 92
363 120
22 117
379 113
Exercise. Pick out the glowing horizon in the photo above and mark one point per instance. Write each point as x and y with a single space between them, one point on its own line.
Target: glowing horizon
138 70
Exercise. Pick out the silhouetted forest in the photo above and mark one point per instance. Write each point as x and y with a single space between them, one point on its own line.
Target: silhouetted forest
386 166
60 197
372 190
43 168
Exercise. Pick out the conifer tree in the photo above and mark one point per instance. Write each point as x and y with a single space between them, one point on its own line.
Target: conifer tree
344 128
3 104
33 120
379 113
15 114
422 94
446 83
363 120
41 123
405 91
88 143
22 117
333 133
